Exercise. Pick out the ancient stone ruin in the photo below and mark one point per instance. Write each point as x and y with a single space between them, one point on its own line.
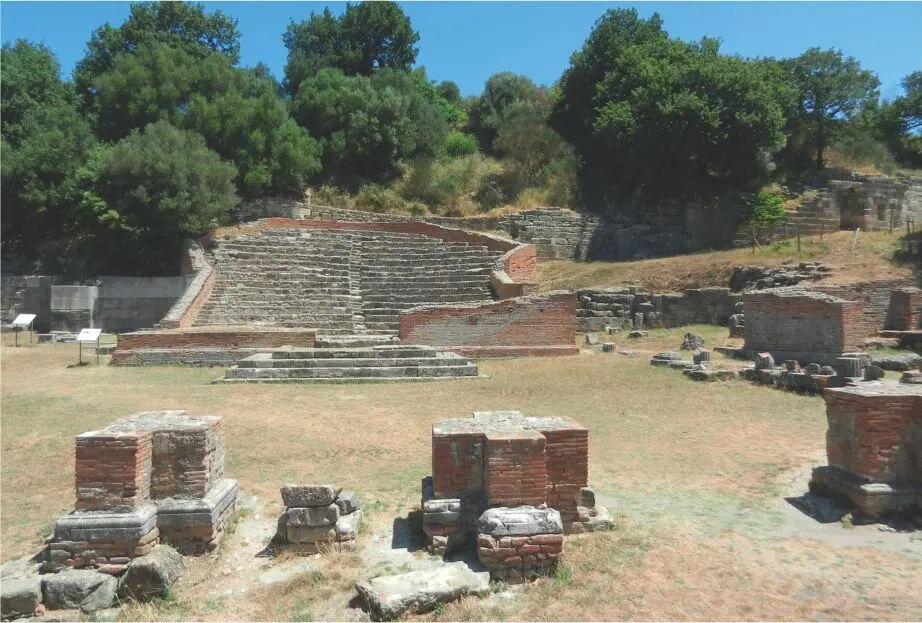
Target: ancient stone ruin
803 325
500 468
317 516
874 448
151 477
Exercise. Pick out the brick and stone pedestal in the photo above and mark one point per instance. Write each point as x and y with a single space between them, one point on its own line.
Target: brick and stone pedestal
874 448
501 458
316 516
519 543
156 475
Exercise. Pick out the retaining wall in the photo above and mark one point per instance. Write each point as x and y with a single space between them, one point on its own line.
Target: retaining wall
539 324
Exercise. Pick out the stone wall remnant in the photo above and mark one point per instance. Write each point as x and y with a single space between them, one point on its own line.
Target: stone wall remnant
317 516
873 447
796 323
156 475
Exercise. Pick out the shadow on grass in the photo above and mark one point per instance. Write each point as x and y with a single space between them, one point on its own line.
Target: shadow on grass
822 510
408 532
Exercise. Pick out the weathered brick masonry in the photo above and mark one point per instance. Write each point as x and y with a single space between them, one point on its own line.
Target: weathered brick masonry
510 460
151 476
531 325
905 309
874 297
795 323
132 346
874 446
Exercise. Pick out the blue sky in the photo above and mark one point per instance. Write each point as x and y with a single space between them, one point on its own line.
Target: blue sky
469 41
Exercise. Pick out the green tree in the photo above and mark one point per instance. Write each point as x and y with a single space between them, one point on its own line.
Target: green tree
830 87
368 124
489 111
659 117
180 25
149 191
44 142
238 111
368 36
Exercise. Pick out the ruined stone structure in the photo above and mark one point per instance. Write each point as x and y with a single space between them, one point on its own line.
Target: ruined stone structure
799 324
874 447
905 310
556 232
355 285
154 476
871 202
539 324
317 516
502 459
632 307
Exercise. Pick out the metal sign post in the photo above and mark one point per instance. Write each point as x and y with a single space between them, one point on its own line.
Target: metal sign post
23 321
88 335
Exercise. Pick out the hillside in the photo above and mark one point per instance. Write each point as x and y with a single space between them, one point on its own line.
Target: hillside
871 259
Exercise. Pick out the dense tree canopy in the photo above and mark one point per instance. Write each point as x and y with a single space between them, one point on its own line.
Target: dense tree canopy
368 124
652 115
368 36
162 132
829 87
44 142
152 189
237 111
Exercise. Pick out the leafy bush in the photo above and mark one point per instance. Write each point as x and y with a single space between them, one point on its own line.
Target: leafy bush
376 198
765 207
459 144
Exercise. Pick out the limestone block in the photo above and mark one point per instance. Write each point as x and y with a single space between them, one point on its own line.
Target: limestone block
76 588
873 373
347 527
519 521
389 597
152 575
302 496
19 596
692 341
348 502
765 361
701 356
314 516
587 497
592 339
308 534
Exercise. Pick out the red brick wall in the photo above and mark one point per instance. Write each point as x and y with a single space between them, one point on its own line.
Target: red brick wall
516 468
567 468
191 313
521 263
187 463
874 297
112 471
533 325
875 436
905 309
457 464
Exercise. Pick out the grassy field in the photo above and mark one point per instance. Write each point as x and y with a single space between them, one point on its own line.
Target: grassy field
871 259
695 474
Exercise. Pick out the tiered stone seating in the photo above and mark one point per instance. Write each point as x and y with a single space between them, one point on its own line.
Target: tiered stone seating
403 270
373 363
287 278
340 281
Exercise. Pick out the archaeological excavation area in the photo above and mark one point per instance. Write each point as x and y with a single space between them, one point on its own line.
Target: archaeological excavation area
749 450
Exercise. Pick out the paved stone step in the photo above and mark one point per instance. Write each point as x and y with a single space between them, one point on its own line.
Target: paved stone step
256 361
382 351
348 381
354 341
468 369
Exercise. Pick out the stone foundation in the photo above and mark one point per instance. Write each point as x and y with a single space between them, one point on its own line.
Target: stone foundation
317 516
502 459
874 447
519 544
151 477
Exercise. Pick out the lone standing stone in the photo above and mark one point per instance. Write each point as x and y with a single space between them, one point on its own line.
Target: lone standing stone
702 356
765 361
692 341
849 367
608 347
592 339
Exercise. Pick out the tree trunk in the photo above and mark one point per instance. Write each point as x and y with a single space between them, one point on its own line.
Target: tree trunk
820 143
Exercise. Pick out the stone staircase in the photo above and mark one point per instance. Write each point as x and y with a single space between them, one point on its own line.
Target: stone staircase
394 362
340 281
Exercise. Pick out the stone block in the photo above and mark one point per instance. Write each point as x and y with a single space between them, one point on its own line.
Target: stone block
152 575
75 588
302 496
314 516
519 521
348 502
587 497
608 347
347 526
764 361
19 596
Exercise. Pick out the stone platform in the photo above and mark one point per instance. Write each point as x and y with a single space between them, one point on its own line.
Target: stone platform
156 475
874 448
392 362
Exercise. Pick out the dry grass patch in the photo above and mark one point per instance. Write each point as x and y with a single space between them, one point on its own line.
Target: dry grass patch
871 260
